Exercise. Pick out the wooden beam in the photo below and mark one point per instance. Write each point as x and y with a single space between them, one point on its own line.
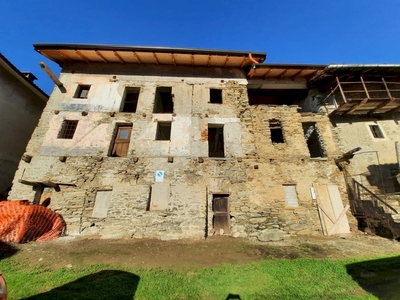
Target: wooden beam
119 57
192 59
226 61
82 56
173 59
208 61
354 107
155 57
365 88
64 55
266 74
101 56
243 61
296 74
341 90
251 73
387 89
383 104
137 57
283 73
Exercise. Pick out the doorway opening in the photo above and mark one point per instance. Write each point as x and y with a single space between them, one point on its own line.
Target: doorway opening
221 216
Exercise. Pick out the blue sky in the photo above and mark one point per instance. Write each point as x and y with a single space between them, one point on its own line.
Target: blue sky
290 31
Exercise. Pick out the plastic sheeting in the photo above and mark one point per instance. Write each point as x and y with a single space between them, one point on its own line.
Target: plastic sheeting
22 222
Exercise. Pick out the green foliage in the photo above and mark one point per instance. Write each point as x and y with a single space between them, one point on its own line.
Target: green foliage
268 279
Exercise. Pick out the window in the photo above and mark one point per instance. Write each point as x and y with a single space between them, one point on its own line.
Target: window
216 140
82 91
68 128
314 140
376 131
290 195
163 131
163 101
276 97
215 96
121 141
130 100
276 131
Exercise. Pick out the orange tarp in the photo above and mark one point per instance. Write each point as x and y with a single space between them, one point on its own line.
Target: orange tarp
22 222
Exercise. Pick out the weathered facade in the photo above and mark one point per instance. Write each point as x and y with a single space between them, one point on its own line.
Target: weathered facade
21 104
175 143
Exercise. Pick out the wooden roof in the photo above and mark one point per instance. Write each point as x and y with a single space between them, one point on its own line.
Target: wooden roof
108 54
284 71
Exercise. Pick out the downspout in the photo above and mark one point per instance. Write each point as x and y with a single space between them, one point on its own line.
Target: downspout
252 59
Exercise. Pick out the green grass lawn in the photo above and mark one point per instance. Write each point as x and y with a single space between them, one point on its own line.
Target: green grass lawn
269 279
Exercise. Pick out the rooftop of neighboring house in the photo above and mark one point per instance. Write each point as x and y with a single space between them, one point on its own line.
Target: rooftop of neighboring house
25 78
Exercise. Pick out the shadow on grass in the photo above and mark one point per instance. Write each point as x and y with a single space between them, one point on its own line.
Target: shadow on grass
7 250
379 277
107 284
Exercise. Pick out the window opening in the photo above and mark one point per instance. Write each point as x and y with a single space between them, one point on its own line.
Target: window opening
276 131
163 101
221 217
82 91
216 141
68 129
276 97
290 195
163 131
314 140
130 100
215 96
376 131
121 141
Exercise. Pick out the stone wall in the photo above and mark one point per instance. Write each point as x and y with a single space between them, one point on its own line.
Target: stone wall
252 173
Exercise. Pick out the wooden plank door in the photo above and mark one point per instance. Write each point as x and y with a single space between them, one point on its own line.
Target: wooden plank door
221 215
331 211
121 141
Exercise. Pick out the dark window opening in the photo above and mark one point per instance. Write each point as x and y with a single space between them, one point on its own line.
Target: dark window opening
216 141
215 96
163 131
314 140
130 100
82 91
68 129
276 97
376 131
276 131
221 217
163 101
121 141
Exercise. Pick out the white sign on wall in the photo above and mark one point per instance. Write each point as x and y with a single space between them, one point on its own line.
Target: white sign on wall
159 176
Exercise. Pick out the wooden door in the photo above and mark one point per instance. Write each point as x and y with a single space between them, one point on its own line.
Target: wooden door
221 215
331 211
121 141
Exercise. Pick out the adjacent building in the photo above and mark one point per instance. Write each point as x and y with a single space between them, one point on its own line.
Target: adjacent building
21 104
185 143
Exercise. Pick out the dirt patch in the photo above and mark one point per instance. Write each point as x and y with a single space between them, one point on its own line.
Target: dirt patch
146 253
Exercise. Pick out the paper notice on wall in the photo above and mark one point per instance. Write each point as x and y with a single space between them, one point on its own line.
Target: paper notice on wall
159 176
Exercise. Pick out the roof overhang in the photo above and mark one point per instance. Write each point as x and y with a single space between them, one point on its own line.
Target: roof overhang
64 54
284 71
6 64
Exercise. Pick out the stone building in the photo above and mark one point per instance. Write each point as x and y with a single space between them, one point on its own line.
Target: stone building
364 111
174 143
21 104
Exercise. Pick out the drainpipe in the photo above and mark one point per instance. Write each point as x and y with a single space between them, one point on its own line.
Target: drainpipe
252 59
